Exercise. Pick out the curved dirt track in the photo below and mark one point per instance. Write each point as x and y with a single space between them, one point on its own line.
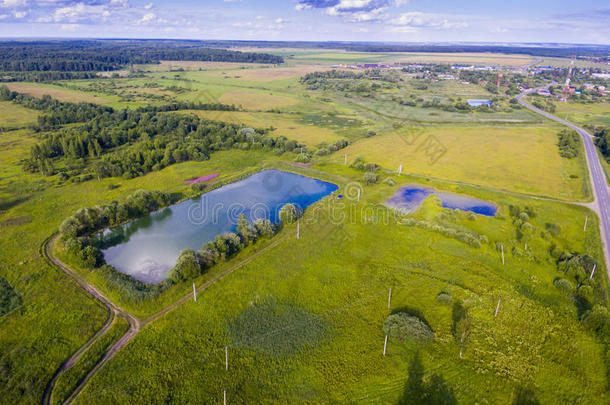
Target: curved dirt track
135 324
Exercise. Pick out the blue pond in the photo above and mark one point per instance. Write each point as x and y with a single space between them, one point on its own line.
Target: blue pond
147 248
478 103
409 198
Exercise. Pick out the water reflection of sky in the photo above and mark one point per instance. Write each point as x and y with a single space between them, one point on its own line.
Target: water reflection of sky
147 247
410 197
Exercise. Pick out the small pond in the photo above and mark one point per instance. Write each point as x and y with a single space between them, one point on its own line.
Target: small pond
410 197
478 103
147 248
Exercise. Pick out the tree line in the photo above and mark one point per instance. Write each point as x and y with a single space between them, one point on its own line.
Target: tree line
45 76
602 141
79 241
154 140
98 55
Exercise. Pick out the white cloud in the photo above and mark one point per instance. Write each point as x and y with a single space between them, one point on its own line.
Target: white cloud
14 3
418 19
148 6
279 21
20 14
147 18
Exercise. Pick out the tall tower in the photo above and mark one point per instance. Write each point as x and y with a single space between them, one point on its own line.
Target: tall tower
564 96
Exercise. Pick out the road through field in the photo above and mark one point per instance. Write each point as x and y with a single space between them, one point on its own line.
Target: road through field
601 202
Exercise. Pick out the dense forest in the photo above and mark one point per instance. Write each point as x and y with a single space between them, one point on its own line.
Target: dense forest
529 49
130 143
108 55
46 76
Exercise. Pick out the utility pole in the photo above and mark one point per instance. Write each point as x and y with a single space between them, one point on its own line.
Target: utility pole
298 229
358 195
593 272
385 345
497 307
400 169
389 297
586 220
194 292
345 159
226 358
502 246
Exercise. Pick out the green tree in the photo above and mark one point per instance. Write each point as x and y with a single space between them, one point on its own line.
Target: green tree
288 213
264 227
245 230
188 266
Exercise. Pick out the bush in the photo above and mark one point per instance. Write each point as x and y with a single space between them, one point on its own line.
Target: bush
564 286
303 158
390 182
444 298
553 229
9 297
598 320
569 142
406 327
369 178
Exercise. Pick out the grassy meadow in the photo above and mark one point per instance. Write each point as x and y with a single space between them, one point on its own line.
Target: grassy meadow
14 116
322 301
303 320
485 155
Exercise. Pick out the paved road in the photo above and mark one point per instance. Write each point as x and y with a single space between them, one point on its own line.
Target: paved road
598 179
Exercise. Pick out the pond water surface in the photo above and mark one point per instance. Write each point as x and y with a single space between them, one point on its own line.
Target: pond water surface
410 197
147 248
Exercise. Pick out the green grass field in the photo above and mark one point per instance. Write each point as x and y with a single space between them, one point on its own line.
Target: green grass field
594 114
481 155
303 321
13 116
335 279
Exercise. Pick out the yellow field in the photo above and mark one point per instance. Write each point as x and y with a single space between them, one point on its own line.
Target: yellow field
38 90
308 134
468 58
270 74
521 159
256 100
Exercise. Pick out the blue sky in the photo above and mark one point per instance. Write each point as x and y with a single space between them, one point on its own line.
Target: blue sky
583 21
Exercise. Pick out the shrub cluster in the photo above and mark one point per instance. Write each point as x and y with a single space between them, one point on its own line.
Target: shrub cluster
407 327
568 143
9 297
325 149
